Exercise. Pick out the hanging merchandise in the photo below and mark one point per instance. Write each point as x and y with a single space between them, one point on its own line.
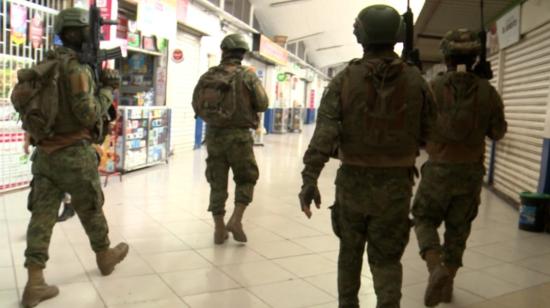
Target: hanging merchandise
18 22
36 30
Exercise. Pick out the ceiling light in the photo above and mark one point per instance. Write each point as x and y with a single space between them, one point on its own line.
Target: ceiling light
329 47
302 38
287 2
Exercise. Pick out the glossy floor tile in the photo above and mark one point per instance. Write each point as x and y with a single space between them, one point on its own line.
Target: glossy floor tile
288 262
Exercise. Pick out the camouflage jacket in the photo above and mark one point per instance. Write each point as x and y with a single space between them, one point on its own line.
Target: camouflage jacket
328 132
254 98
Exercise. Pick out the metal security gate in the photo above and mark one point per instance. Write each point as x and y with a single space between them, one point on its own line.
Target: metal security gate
182 78
494 59
525 89
16 54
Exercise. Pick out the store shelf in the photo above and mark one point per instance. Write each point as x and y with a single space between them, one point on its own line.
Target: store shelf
148 52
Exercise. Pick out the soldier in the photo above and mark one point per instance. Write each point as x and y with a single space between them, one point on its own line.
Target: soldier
228 97
377 110
467 110
67 163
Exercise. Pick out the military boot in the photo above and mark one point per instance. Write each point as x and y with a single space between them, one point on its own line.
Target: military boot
36 289
220 232
235 226
447 290
439 275
108 259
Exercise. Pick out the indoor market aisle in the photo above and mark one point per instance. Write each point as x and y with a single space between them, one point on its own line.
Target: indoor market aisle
289 261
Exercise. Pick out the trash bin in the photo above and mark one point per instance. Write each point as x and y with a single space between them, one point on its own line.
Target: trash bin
532 211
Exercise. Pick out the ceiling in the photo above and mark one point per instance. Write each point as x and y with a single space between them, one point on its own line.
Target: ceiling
439 16
326 26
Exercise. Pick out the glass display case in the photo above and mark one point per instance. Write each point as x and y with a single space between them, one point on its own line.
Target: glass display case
144 138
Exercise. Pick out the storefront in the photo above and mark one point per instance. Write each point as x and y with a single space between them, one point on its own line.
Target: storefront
25 36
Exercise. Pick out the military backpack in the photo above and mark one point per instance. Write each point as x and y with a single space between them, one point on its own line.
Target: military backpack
460 105
37 94
218 95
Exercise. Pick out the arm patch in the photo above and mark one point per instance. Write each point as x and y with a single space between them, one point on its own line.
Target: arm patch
79 83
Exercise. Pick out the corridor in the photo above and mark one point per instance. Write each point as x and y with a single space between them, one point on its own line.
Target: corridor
289 261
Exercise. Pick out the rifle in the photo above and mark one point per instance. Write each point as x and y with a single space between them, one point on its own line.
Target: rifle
410 54
483 67
91 54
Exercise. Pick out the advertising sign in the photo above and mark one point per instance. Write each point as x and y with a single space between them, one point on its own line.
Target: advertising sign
270 50
36 30
157 17
18 21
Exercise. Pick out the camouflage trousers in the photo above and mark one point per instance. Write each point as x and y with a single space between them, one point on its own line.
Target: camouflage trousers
72 170
230 149
372 209
447 193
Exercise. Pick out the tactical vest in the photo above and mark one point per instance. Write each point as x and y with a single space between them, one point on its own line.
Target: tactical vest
381 113
463 110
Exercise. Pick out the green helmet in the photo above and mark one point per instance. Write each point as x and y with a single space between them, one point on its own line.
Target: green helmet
460 42
73 17
378 24
234 41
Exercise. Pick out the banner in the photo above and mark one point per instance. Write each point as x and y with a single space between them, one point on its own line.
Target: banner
508 28
158 18
36 30
18 21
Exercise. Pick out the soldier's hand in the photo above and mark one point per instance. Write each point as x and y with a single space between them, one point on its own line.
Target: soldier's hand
309 193
110 78
27 144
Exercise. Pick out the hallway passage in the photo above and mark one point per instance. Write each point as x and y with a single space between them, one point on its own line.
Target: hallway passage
289 261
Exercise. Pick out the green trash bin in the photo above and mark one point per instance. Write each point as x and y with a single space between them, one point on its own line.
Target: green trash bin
533 211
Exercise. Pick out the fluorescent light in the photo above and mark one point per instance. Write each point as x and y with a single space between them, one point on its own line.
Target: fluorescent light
287 2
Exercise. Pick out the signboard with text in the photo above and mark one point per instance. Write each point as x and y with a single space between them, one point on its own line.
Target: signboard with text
270 50
508 28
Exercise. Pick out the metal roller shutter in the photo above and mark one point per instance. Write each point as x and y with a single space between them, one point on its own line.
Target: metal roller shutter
494 59
525 89
182 78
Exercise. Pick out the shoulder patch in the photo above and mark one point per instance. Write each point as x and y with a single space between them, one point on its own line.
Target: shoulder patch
79 83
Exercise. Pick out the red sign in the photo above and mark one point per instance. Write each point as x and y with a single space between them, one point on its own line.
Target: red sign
36 30
181 10
122 28
177 55
312 99
106 12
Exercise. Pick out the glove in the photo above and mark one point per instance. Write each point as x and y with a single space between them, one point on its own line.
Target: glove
309 193
110 78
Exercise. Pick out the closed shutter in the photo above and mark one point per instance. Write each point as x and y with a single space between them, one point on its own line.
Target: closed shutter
182 78
494 59
525 89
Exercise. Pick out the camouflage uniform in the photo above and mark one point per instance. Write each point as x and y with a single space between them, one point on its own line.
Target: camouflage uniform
68 163
373 189
231 146
452 177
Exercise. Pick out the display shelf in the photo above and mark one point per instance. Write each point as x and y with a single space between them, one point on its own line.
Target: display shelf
153 140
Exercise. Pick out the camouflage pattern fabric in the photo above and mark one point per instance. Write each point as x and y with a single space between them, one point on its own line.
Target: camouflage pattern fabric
447 193
230 149
372 209
71 170
373 196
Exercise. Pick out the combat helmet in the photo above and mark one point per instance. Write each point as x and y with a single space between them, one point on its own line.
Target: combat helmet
378 24
460 42
234 41
72 17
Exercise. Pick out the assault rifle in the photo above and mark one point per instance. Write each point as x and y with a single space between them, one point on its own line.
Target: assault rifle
483 67
410 54
91 54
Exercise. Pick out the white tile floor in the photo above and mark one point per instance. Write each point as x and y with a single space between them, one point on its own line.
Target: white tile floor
289 261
